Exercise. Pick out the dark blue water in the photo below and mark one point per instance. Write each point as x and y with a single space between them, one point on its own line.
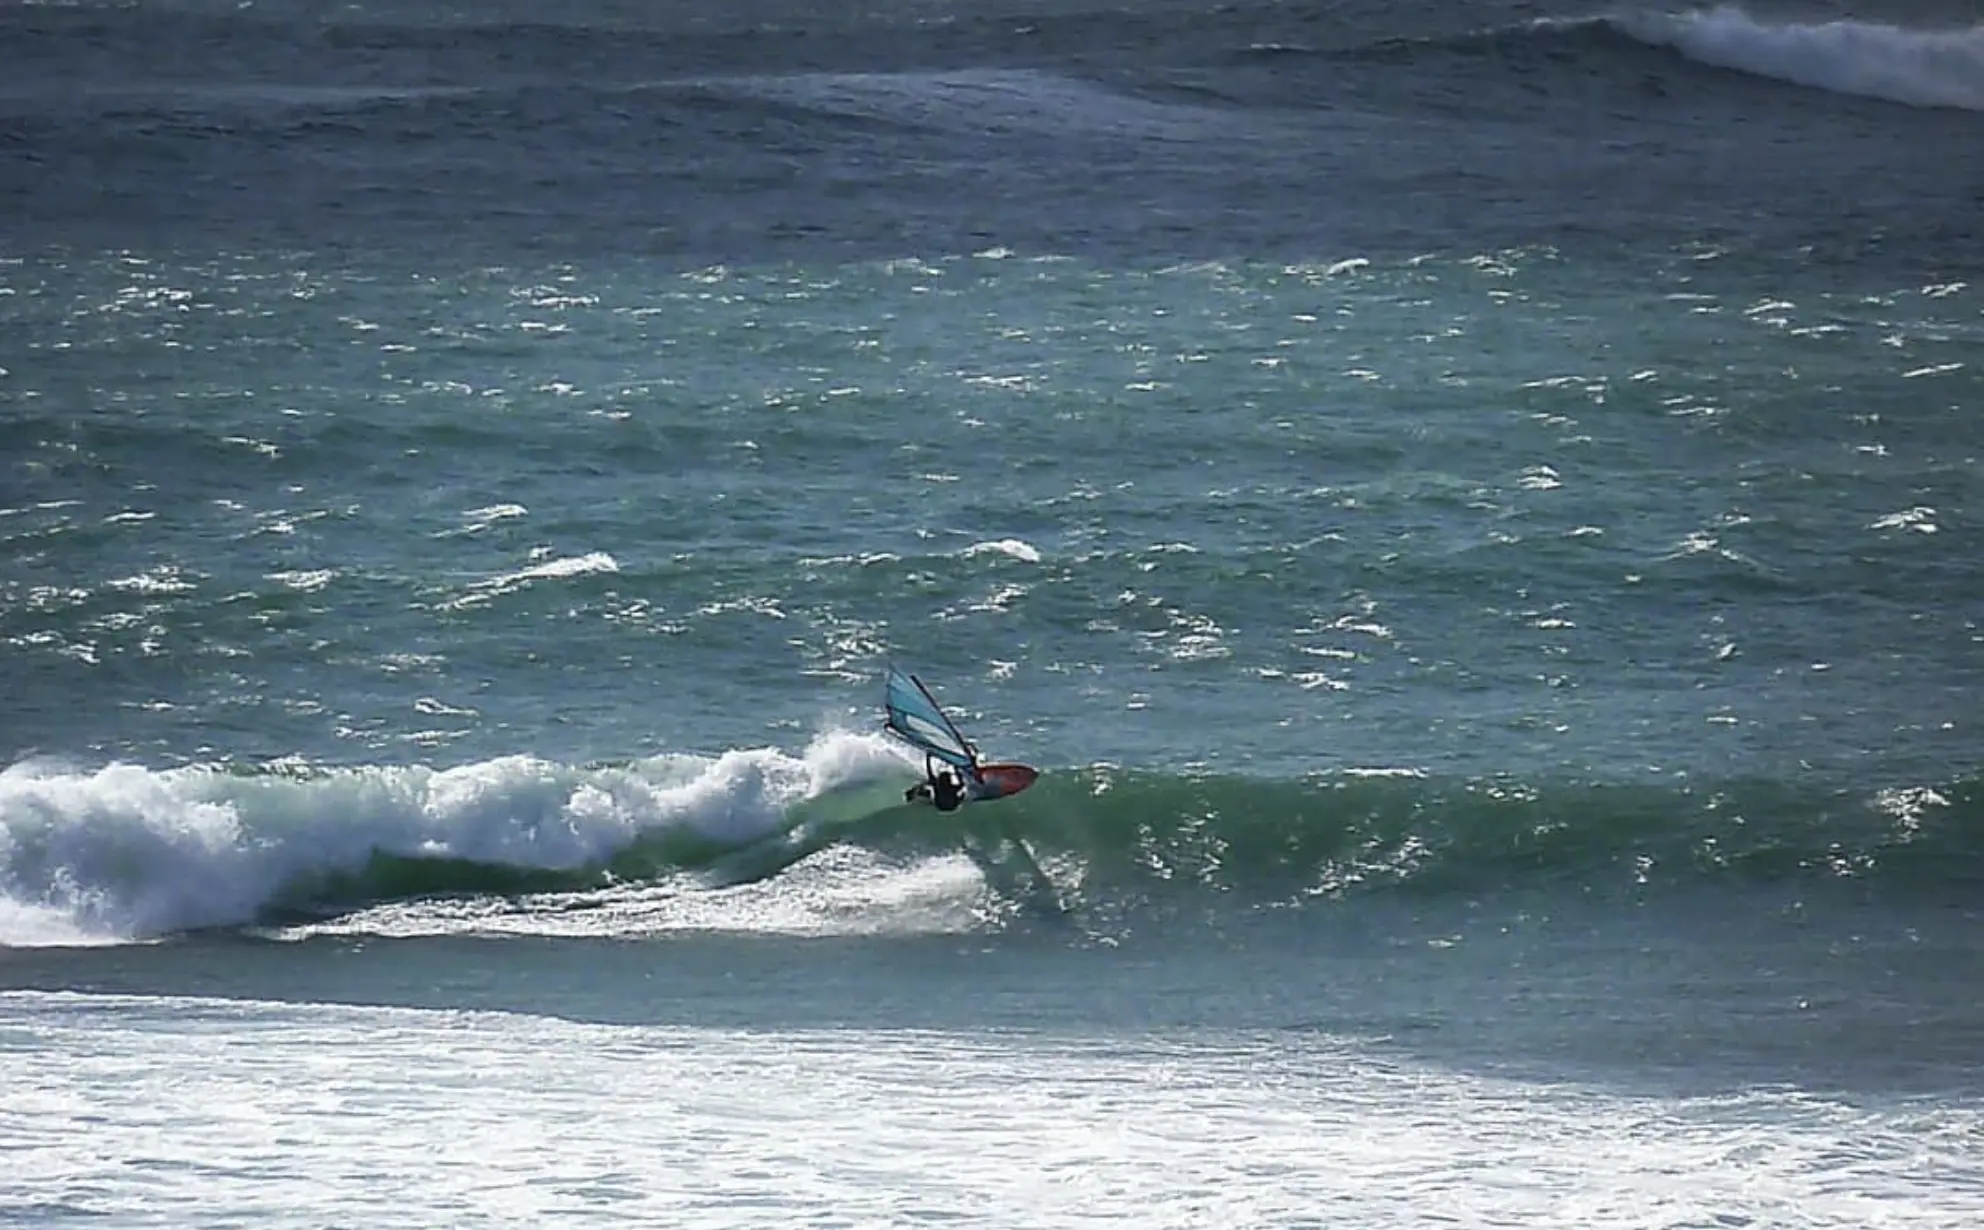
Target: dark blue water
762 132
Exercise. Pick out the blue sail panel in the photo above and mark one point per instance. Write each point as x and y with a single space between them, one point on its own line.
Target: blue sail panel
915 718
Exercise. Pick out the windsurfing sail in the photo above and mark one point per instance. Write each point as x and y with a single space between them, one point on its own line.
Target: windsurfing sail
916 719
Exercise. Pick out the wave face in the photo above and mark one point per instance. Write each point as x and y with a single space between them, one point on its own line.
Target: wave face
1924 68
1354 833
124 853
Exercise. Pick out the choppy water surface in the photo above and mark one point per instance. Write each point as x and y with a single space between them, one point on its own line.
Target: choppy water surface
1475 511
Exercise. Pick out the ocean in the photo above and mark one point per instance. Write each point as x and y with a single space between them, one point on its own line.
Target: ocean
1475 508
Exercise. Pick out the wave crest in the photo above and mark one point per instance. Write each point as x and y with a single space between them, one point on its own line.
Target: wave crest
127 853
124 852
1924 68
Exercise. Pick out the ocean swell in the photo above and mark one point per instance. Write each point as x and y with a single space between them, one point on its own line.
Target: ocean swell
1342 834
124 853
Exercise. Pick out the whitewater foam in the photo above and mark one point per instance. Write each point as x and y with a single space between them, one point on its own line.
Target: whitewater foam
1012 548
1924 68
545 567
839 891
125 852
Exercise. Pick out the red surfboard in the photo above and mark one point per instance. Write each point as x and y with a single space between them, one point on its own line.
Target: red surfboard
1002 781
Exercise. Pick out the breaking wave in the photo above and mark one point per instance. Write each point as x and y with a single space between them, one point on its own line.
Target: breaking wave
1924 68
125 853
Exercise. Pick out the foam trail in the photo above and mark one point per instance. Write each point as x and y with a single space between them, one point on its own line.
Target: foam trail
124 852
1924 68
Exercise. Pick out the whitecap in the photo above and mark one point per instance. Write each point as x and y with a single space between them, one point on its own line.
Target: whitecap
1011 547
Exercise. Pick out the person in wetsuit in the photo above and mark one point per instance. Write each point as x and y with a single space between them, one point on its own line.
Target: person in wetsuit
943 787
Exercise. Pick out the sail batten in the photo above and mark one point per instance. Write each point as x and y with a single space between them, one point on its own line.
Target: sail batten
916 718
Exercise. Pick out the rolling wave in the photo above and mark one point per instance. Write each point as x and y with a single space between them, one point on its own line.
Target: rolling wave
1351 832
658 95
678 113
1941 68
689 117
125 853
1924 68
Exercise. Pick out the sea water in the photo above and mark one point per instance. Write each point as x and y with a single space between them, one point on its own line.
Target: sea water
1474 508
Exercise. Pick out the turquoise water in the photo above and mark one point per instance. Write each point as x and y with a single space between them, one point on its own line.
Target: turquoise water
1510 511
1475 517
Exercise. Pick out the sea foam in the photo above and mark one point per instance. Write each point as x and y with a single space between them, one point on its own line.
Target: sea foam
124 852
1924 68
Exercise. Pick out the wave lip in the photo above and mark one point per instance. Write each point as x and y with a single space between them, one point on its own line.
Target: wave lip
1922 68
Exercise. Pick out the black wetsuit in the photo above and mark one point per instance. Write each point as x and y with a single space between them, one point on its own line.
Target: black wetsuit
944 790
